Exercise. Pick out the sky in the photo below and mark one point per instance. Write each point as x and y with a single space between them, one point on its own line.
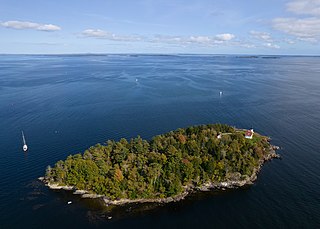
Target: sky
268 27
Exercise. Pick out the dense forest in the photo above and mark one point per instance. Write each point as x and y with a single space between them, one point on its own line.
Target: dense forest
163 166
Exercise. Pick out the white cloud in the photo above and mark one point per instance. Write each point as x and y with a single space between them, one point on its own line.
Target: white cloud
225 36
289 41
166 39
249 46
266 38
308 7
271 45
48 27
177 40
305 29
261 36
200 40
29 25
98 33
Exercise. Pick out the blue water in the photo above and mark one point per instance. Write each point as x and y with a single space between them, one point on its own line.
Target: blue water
66 103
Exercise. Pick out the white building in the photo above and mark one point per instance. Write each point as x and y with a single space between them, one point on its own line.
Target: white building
249 134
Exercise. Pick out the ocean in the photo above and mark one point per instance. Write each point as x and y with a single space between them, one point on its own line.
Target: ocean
67 103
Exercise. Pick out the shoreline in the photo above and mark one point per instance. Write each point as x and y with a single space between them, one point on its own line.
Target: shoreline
227 184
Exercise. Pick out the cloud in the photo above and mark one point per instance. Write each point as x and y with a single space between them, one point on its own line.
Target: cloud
266 38
271 45
289 41
305 28
98 33
177 40
308 7
225 37
261 36
167 39
188 40
199 39
30 25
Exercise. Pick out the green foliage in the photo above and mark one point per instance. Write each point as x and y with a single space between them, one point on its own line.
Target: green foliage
161 167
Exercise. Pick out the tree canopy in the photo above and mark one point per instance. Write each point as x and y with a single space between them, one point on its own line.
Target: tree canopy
163 166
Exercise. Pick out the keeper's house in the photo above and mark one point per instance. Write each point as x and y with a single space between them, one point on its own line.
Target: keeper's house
249 134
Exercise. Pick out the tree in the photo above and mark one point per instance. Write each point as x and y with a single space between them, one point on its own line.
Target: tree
160 167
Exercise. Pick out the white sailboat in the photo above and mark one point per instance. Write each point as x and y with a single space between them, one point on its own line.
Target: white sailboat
25 147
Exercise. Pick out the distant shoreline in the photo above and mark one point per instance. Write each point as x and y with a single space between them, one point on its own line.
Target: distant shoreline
158 54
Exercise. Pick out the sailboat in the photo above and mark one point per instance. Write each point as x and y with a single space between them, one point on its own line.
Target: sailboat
25 147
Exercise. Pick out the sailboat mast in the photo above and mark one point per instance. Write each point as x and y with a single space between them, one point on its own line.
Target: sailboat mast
24 140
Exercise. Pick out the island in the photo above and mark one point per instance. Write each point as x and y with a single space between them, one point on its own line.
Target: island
166 168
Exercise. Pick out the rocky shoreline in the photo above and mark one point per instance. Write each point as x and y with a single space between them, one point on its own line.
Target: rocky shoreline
228 184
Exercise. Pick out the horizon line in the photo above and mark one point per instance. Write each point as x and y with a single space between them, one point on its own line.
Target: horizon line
167 54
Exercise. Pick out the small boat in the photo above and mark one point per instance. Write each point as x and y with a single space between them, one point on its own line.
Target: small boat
25 147
69 202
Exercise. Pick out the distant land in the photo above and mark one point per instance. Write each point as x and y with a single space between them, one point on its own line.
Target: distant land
163 54
166 168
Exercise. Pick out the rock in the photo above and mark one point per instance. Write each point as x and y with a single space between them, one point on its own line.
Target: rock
224 184
56 186
275 147
91 196
80 192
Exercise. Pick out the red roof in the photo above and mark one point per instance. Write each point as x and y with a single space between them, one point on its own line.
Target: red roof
249 133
